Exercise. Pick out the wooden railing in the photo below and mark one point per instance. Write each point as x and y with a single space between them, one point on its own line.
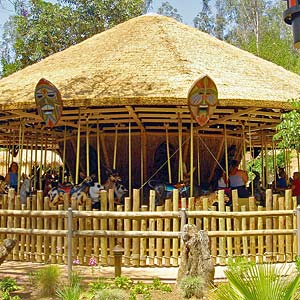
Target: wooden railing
150 236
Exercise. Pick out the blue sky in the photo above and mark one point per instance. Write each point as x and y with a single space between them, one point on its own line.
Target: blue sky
188 9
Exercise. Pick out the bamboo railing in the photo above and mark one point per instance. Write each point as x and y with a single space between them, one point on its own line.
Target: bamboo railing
149 235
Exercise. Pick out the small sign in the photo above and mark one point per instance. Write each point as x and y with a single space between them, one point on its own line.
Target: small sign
48 101
203 99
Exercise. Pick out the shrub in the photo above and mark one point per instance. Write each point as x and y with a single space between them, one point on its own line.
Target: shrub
71 291
111 294
47 280
192 286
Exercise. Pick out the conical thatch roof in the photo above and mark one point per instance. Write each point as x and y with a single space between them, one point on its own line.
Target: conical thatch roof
152 60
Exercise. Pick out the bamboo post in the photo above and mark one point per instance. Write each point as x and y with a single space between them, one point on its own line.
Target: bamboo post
88 226
59 247
175 245
295 237
229 239
275 206
96 239
260 243
41 164
168 153
111 226
78 151
142 173
136 227
222 240
252 225
213 240
192 160
143 242
226 153
269 241
244 148
183 203
129 161
281 238
180 163
21 140
198 162
115 148
151 228
103 200
205 219
33 225
159 245
70 242
39 238
87 144
191 207
127 227
98 152
236 222
81 255
28 226
245 238
250 147
53 257
47 226
289 225
23 240
167 241
120 225
298 230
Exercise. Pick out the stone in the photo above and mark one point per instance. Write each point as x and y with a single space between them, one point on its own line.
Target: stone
6 248
196 259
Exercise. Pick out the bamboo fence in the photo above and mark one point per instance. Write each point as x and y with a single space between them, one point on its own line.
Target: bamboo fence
149 235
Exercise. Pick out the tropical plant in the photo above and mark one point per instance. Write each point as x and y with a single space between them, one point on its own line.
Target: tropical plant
288 131
259 282
47 280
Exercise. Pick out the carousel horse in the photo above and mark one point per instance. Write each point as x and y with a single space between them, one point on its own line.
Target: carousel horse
89 187
77 192
25 188
164 191
258 192
4 187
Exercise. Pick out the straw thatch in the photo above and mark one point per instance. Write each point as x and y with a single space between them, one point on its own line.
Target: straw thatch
152 60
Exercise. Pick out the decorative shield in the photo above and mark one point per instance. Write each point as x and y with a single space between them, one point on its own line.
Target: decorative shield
203 99
48 102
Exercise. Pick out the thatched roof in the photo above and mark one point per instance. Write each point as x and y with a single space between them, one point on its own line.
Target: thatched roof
152 60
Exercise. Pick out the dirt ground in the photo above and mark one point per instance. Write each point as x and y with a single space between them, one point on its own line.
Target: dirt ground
20 271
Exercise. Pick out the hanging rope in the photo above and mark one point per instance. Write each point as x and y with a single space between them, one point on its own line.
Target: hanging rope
211 154
163 164
168 154
115 147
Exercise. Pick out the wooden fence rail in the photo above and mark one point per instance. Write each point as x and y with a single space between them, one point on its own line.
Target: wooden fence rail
149 235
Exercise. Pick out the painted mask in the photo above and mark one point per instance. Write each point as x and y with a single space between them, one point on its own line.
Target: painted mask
48 101
203 99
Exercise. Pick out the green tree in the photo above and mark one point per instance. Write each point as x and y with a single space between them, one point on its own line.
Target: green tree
40 28
204 20
168 10
288 131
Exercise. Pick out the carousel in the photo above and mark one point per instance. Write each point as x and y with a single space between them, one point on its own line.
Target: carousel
151 98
